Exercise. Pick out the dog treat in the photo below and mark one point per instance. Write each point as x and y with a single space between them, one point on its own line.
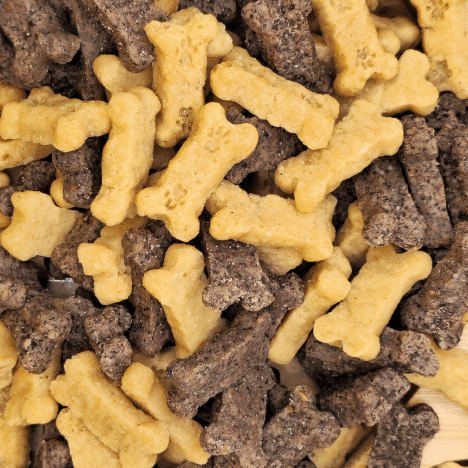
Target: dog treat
356 323
263 183
223 10
439 307
5 199
286 43
406 30
325 285
8 356
213 147
274 145
10 94
279 260
65 256
388 210
317 430
15 153
144 250
345 193
54 453
402 435
127 155
283 103
218 364
238 417
449 109
234 274
245 217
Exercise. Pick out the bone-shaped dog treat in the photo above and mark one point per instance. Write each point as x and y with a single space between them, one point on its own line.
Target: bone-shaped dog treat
318 429
55 453
10 94
405 29
356 323
402 435
449 108
460 156
279 260
15 153
242 79
362 136
389 212
356 47
439 307
254 220
223 10
8 356
286 42
181 192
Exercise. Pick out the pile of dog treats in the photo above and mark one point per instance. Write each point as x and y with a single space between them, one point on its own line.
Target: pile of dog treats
229 189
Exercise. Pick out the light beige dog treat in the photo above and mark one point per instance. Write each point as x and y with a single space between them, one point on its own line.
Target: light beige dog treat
190 320
37 225
242 79
325 285
362 136
10 94
14 445
279 260
85 448
143 387
8 356
56 191
104 261
349 237
406 30
30 399
168 6
324 53
352 36
50 119
444 30
116 78
127 155
254 220
213 147
449 465
389 40
356 323
15 153
108 414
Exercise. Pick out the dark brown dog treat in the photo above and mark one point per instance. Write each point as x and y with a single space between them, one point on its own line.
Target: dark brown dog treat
223 10
364 399
37 38
282 444
389 212
218 364
274 146
448 108
81 171
6 207
278 397
144 250
37 176
419 158
460 157
404 351
402 435
439 307
12 293
234 273
50 431
246 35
345 193
286 43
65 255
63 79
126 21
54 453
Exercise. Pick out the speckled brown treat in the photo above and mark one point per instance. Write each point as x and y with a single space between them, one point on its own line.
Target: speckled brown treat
274 146
144 250
238 417
81 170
460 157
419 159
65 255
37 38
402 435
404 351
365 399
282 444
234 273
246 35
389 212
126 21
278 397
218 364
345 195
54 453
448 108
223 10
442 302
286 43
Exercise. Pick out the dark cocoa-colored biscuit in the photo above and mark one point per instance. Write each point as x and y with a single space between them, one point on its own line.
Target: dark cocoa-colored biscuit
126 21
54 453
65 255
246 35
345 194
278 397
459 155
298 429
37 38
144 250
286 43
238 417
63 79
388 210
419 159
449 108
402 435
223 10
442 302
274 146
234 273
404 351
81 170
218 364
